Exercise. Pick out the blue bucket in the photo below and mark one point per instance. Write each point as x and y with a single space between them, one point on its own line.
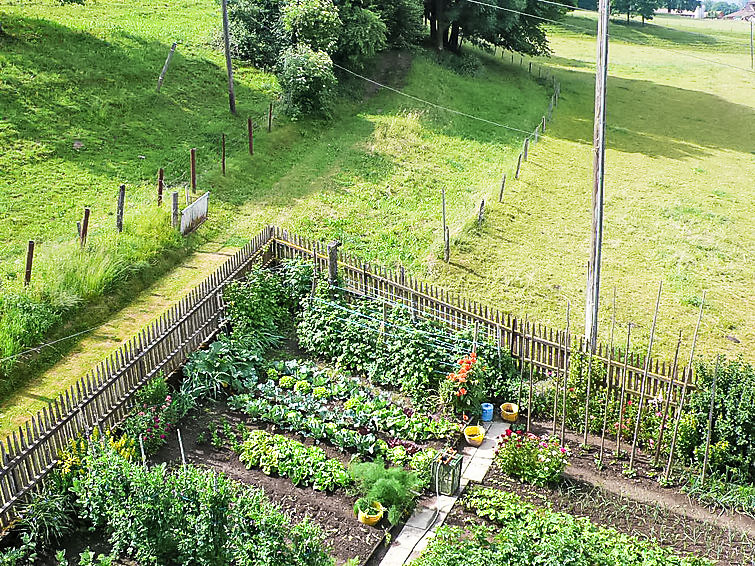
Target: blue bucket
487 412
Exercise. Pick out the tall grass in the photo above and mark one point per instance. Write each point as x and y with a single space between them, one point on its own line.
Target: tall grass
66 276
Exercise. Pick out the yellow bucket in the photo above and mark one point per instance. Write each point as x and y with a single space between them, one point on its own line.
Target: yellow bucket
372 519
474 435
510 412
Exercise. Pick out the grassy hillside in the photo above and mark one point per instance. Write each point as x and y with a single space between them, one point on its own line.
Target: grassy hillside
81 116
679 199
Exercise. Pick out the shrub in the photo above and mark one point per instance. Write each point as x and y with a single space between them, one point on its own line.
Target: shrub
363 35
257 33
403 20
307 81
530 458
312 23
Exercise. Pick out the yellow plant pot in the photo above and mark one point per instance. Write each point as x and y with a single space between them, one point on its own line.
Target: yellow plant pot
510 412
374 519
474 435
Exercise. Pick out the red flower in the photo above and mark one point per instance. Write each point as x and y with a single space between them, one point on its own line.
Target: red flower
462 391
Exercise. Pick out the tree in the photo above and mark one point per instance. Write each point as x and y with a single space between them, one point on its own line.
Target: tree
643 8
511 27
687 5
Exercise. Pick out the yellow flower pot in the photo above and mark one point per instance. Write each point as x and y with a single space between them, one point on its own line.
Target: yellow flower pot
474 435
372 519
510 412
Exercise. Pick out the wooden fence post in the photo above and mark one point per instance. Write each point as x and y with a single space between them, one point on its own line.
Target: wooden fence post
333 263
165 67
119 211
503 186
176 218
222 154
526 148
481 213
29 261
193 155
542 125
270 118
530 68
84 227
518 166
445 226
250 135
160 186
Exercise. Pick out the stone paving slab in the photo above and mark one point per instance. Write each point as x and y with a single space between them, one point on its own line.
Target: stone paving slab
432 512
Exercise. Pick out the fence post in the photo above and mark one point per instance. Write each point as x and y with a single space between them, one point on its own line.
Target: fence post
333 263
193 155
121 204
250 135
176 213
160 186
481 213
29 261
526 148
270 118
542 125
518 166
503 186
165 67
84 227
222 154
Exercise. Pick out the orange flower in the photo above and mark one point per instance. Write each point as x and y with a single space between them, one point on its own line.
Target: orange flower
462 391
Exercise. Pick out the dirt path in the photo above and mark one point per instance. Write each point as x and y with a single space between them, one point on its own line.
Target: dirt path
95 346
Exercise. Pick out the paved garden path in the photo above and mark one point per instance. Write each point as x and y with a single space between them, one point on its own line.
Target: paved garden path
95 346
429 515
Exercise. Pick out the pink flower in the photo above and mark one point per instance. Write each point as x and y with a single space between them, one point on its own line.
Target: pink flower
162 436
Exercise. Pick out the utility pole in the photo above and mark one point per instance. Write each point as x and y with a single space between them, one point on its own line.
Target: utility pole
599 148
228 64
752 48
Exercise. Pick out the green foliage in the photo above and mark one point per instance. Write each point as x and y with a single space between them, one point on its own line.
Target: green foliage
722 492
308 81
156 413
394 488
527 534
403 20
530 458
362 36
224 364
188 516
303 465
24 321
465 389
257 33
47 517
733 434
312 23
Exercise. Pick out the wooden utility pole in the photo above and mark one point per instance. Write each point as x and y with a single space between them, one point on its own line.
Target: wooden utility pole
752 48
228 64
599 148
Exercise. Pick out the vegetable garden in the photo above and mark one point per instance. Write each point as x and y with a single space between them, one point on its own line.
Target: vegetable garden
307 431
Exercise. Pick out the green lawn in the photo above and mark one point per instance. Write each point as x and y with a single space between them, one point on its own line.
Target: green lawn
679 190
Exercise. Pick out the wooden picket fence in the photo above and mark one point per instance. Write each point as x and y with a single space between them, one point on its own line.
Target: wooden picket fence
106 394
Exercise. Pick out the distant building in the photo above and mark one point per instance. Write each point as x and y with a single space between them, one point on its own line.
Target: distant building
746 13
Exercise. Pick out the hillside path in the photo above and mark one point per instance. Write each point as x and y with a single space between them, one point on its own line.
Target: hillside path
95 346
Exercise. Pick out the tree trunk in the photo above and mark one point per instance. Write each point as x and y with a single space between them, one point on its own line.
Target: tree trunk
440 35
627 16
453 40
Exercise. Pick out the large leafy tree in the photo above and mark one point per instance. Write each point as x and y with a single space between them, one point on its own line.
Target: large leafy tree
643 8
512 24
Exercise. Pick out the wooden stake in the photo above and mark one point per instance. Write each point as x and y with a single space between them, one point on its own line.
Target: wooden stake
333 263
474 339
503 186
270 118
165 67
446 250
567 342
222 154
228 63
481 213
645 372
181 446
529 400
623 390
710 420
684 392
250 135
518 166
605 411
141 448
542 125
529 70
85 227
523 346
591 355
29 262
667 402
176 216
525 149
160 186
119 211
193 169
556 391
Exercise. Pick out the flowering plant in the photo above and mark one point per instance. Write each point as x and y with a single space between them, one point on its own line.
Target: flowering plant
153 422
463 390
531 458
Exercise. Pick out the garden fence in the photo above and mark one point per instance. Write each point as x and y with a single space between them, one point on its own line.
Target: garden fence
106 394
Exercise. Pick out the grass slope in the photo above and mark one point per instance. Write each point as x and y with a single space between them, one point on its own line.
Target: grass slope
679 171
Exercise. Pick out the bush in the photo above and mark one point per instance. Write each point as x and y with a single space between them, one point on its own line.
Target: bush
733 434
307 81
363 35
403 20
155 415
312 23
257 33
530 458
